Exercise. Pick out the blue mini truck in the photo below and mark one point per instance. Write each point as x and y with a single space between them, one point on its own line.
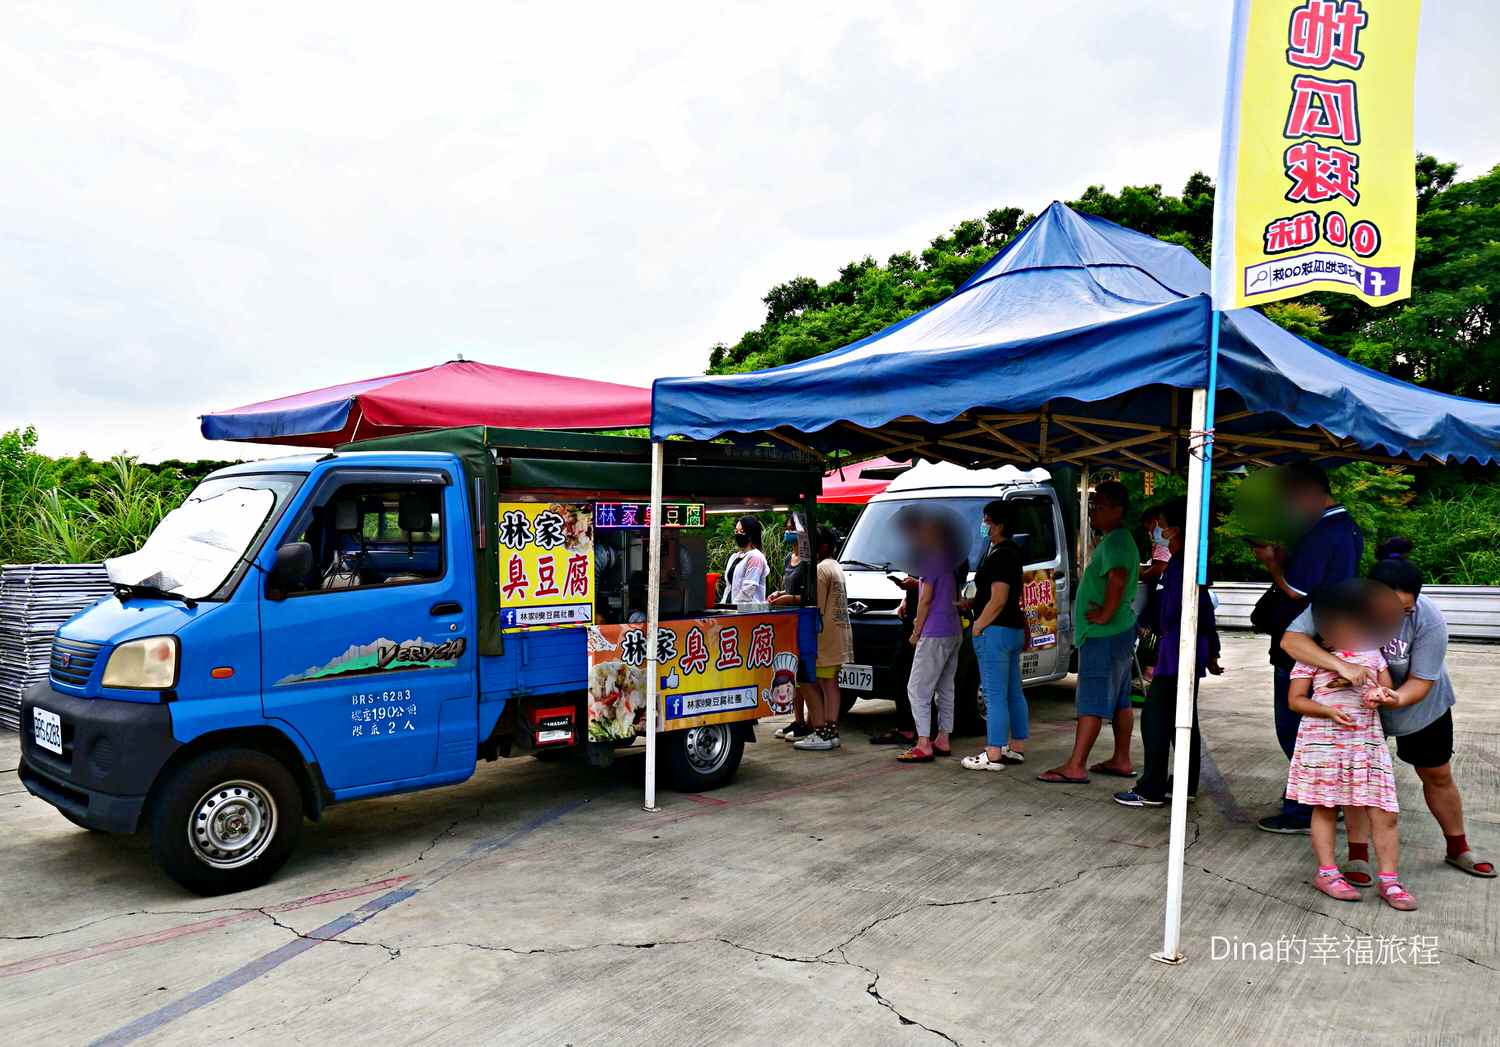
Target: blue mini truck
375 620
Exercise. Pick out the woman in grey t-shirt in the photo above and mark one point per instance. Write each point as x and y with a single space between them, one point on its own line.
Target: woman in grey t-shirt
1422 722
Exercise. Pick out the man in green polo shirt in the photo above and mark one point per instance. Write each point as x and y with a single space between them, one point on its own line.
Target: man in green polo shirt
1104 632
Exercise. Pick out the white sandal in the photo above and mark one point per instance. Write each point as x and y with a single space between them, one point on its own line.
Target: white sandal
982 762
1009 755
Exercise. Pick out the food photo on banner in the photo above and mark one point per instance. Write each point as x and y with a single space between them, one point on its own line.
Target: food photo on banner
1315 173
546 565
712 670
1039 607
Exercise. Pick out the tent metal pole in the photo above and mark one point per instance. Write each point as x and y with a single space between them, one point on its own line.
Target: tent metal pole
653 617
1187 676
1205 426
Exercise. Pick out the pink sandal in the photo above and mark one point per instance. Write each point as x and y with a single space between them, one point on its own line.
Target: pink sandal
1397 897
1335 886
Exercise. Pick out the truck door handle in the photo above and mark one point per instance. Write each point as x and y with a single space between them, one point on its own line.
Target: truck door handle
446 607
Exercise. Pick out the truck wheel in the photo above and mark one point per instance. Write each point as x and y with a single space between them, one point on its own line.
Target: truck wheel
226 821
702 758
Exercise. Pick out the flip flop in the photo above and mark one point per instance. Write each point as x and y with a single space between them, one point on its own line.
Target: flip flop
1470 862
1110 772
1358 872
1054 778
915 755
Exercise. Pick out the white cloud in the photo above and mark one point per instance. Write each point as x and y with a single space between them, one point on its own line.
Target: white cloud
204 205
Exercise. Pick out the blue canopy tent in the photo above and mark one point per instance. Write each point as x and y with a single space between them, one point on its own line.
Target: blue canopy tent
1075 344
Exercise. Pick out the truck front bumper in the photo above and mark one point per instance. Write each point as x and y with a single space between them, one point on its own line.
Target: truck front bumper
112 753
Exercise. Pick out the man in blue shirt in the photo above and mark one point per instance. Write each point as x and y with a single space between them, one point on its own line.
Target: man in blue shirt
1328 552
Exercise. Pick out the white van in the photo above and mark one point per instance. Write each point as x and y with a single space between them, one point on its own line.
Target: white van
882 656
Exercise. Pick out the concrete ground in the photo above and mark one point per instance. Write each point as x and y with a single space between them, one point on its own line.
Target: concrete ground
822 898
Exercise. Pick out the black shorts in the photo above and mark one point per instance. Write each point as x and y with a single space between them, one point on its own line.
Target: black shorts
1432 746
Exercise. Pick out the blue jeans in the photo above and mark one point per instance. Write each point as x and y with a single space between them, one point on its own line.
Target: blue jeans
998 650
1287 723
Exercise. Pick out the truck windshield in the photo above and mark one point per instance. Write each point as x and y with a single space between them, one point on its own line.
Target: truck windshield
197 546
877 540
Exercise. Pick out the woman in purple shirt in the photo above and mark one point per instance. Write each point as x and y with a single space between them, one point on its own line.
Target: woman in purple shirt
937 635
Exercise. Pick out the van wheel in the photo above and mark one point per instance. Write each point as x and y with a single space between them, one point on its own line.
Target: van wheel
226 821
702 758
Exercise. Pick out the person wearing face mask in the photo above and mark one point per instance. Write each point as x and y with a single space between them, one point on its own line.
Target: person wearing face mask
1421 721
745 573
1158 718
796 580
999 636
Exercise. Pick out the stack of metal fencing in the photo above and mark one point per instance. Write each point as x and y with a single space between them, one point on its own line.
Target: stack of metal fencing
34 600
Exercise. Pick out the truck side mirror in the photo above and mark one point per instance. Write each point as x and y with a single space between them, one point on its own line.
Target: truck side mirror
294 562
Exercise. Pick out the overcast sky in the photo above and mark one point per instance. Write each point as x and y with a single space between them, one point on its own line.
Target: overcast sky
203 205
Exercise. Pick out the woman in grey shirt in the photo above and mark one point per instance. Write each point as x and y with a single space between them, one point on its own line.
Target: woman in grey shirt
1421 722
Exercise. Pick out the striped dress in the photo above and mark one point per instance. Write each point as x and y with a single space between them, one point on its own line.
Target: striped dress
1335 766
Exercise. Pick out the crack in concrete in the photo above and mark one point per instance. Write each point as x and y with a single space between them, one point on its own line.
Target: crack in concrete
121 916
871 989
392 952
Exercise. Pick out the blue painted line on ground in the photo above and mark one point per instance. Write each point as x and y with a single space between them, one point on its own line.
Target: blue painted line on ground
242 976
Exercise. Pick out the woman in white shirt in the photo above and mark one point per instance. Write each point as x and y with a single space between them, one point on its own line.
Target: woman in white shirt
745 573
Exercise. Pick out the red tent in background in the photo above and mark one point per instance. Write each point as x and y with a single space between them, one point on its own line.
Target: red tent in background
460 392
857 484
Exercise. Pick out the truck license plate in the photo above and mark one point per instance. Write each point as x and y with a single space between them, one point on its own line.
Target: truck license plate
46 728
856 677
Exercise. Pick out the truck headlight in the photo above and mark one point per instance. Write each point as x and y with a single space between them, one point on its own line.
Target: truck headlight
148 664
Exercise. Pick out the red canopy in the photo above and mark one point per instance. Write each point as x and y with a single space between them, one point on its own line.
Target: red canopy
857 484
460 392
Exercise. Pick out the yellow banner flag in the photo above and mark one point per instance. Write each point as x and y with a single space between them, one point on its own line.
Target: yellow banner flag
1316 186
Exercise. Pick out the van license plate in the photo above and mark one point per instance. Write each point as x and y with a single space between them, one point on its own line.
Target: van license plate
857 677
46 728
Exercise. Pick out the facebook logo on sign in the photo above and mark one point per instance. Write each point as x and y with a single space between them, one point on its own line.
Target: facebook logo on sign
1382 281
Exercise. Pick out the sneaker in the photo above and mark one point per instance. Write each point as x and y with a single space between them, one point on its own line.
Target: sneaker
1135 799
1284 824
821 740
792 731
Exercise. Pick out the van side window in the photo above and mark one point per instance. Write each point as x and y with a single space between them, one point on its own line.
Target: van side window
366 536
1034 529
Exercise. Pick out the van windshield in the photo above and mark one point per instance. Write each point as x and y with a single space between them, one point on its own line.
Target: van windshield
197 546
877 542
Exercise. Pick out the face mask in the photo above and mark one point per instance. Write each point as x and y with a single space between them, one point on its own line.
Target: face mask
984 530
1157 536
788 536
741 540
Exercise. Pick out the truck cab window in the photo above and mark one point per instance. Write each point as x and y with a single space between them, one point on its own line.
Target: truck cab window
367 536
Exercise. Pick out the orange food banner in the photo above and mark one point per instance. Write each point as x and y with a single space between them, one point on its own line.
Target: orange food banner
1039 605
712 670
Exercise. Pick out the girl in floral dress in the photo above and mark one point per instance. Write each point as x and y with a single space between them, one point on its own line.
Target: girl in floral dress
1341 759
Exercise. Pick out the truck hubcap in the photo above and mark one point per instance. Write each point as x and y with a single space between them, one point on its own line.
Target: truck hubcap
707 747
232 824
